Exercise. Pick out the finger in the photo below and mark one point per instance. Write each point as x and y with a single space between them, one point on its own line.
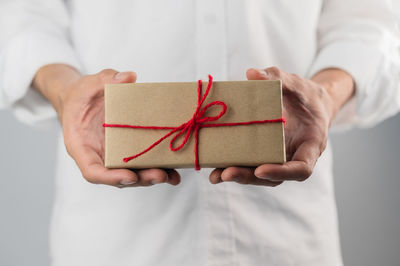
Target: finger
108 76
300 168
125 77
215 176
270 73
266 183
241 175
148 177
256 74
245 175
273 73
174 177
91 166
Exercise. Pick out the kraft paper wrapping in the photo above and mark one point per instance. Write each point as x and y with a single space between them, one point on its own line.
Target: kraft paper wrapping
172 104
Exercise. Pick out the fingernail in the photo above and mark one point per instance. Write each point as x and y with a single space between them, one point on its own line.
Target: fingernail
262 72
127 182
120 75
266 177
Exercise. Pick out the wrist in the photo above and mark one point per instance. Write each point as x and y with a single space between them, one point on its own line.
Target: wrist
53 80
339 88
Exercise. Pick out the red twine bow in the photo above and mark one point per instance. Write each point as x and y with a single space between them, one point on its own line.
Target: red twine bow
193 125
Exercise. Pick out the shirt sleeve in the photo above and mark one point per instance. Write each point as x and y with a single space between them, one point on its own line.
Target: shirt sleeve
34 33
361 37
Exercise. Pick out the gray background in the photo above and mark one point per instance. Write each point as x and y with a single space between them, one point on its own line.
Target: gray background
366 179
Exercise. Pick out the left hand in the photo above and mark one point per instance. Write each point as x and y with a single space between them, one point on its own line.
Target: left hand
308 107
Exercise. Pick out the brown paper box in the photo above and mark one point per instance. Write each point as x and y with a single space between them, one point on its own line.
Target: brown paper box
172 104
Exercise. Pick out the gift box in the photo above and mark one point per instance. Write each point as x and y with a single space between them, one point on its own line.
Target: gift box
194 124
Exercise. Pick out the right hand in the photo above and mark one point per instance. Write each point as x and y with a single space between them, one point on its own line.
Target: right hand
79 102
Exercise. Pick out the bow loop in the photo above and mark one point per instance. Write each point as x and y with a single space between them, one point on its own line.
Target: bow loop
211 118
187 127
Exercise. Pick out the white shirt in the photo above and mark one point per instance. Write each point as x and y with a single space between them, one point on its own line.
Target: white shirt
197 223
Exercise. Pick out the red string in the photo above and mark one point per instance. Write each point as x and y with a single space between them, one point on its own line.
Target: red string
193 125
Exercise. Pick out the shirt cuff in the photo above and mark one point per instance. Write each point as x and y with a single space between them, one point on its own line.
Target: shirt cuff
374 83
20 59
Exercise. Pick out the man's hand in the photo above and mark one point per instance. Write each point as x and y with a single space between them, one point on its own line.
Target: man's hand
309 106
79 102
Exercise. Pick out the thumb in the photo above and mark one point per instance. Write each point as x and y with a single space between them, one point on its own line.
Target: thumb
108 76
125 77
271 73
256 74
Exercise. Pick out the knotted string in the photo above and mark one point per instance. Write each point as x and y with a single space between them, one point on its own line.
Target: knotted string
198 121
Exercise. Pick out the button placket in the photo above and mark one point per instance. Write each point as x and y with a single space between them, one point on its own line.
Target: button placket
211 39
211 59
